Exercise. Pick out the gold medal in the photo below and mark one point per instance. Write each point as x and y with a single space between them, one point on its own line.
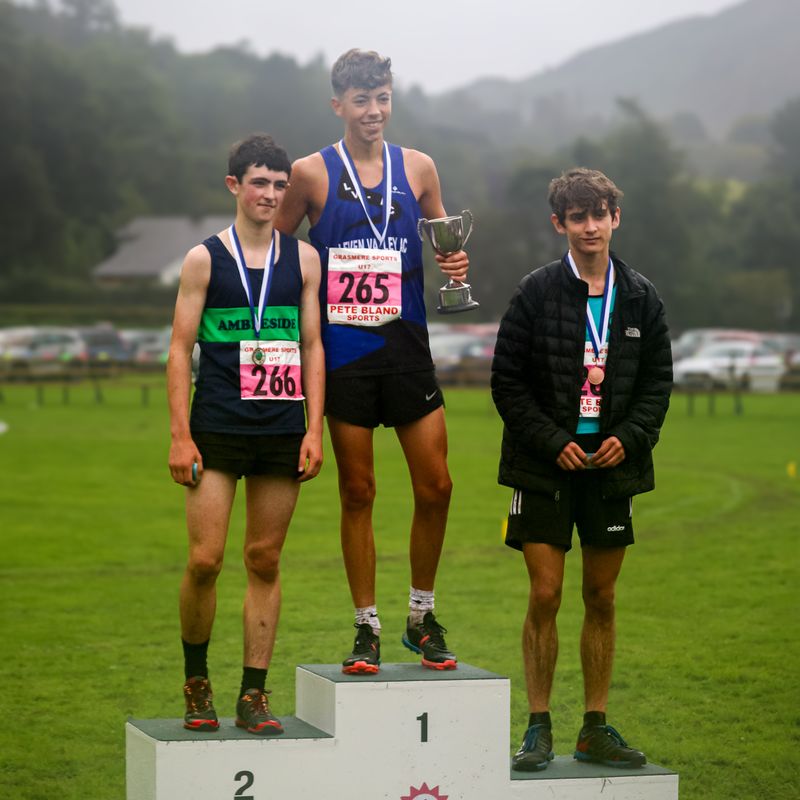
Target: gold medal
596 376
258 356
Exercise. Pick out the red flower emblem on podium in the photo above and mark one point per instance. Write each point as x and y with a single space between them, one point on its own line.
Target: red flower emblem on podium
424 793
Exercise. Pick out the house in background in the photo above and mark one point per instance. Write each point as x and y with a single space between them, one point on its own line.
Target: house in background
151 249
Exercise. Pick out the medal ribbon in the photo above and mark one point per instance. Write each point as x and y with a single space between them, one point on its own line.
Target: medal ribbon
244 276
598 339
386 182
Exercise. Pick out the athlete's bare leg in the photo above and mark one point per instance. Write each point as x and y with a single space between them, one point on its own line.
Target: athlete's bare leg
208 510
424 444
352 447
270 505
545 564
601 567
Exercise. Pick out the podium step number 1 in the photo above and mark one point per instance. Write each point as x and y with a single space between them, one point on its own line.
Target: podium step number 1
407 733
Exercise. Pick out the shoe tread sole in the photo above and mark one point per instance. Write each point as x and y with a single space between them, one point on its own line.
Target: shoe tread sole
440 665
360 668
263 729
449 663
535 766
201 725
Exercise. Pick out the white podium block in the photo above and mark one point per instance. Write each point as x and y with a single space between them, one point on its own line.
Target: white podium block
166 762
407 733
408 726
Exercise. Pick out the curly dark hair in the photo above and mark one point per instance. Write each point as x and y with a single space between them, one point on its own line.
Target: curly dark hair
257 150
360 69
582 188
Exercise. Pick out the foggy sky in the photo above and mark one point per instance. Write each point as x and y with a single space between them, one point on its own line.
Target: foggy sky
433 43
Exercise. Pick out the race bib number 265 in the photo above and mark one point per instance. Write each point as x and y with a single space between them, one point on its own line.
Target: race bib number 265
364 286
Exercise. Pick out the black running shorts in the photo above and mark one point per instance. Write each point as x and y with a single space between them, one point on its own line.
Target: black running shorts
390 400
242 455
549 518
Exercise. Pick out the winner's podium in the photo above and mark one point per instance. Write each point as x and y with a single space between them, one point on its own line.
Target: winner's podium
407 733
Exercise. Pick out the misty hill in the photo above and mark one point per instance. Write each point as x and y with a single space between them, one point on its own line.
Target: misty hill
739 63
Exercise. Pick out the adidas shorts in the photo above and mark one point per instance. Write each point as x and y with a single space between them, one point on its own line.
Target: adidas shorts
549 518
390 400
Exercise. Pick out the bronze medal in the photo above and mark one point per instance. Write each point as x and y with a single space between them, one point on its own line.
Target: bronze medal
258 356
596 376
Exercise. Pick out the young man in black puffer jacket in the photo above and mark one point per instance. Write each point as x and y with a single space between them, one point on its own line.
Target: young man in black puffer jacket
581 377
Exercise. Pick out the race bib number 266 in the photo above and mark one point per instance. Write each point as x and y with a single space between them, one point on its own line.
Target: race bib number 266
270 370
364 286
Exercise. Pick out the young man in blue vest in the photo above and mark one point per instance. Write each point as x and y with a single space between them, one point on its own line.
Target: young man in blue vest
581 376
249 296
363 198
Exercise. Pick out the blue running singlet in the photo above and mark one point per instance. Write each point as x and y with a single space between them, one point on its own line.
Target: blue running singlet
358 342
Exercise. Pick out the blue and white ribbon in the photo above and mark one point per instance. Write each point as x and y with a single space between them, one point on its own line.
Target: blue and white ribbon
600 338
244 276
359 189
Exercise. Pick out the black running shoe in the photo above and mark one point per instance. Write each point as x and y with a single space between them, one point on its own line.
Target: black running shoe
536 750
427 638
366 655
252 713
602 744
200 714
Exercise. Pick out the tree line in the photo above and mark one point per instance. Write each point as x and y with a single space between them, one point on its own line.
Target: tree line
103 122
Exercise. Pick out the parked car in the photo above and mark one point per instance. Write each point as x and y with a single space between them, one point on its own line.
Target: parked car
693 340
41 352
12 338
463 354
787 344
744 364
447 349
148 346
790 380
14 350
104 345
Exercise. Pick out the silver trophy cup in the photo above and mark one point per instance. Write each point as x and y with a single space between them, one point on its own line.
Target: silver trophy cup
447 236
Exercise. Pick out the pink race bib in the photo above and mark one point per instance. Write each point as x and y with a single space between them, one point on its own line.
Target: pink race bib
592 392
270 370
364 286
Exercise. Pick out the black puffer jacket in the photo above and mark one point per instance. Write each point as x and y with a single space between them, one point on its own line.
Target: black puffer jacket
537 378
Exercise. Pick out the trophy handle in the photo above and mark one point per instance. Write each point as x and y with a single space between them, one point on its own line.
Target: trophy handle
466 213
421 223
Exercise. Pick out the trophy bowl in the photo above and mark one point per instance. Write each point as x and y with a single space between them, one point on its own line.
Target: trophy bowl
447 235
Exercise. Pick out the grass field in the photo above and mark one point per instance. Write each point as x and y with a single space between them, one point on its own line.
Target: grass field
706 678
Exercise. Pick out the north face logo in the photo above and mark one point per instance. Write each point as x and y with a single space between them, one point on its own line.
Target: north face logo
633 333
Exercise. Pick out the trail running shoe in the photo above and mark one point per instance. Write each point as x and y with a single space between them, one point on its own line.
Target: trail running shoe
536 750
427 638
252 712
200 714
602 744
366 655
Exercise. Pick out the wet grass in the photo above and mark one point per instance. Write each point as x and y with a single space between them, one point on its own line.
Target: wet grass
93 550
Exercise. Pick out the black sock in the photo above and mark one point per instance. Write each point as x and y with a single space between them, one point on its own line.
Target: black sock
594 719
539 718
253 678
195 659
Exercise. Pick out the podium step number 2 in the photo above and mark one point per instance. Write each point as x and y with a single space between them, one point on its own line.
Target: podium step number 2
407 733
